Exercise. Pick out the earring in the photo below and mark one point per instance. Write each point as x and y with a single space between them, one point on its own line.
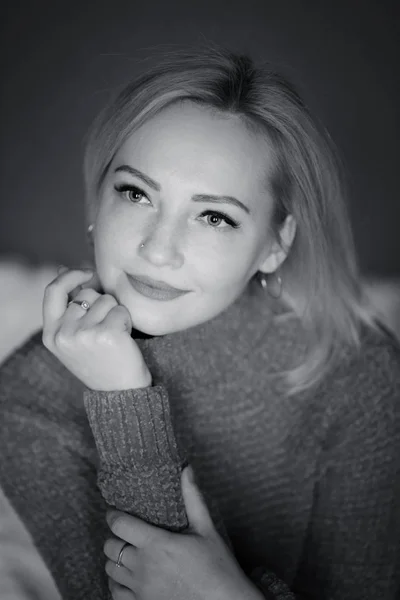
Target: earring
89 236
272 285
263 281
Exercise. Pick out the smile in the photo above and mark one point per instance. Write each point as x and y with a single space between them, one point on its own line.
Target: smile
156 290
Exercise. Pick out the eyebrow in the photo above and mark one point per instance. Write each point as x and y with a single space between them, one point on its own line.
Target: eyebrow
220 200
136 173
196 198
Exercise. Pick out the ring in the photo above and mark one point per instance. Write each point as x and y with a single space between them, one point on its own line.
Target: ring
119 559
82 303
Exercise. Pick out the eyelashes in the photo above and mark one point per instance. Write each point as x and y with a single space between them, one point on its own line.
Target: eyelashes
214 218
127 190
219 216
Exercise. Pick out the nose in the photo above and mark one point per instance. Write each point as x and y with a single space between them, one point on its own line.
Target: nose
162 246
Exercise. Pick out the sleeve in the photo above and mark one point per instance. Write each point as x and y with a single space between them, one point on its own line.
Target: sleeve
48 471
352 550
140 465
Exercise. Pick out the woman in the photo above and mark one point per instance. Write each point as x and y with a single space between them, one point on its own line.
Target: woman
228 332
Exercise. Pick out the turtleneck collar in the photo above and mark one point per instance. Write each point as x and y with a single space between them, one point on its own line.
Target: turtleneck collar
198 353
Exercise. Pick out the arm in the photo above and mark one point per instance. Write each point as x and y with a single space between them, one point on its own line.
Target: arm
48 469
353 540
140 466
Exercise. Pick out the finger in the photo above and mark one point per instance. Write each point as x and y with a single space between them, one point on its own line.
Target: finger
99 309
93 283
121 575
56 295
74 311
118 318
112 549
133 530
196 509
119 592
72 295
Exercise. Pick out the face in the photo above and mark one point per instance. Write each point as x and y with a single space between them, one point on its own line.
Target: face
183 218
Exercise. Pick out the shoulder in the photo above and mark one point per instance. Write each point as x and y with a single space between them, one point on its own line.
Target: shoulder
373 367
362 393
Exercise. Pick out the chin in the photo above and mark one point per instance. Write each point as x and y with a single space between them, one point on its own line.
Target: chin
155 328
153 322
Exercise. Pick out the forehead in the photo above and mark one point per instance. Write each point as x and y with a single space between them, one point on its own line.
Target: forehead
201 147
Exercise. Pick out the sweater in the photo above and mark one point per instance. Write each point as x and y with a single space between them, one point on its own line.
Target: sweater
23 575
306 487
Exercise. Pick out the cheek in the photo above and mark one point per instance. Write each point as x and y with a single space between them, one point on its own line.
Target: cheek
225 265
115 235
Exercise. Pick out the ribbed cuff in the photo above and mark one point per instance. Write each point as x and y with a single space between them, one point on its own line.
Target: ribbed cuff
132 427
140 466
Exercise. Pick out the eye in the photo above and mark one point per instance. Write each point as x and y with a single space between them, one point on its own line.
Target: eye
132 193
219 220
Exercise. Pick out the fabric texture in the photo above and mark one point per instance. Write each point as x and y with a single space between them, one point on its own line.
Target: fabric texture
23 574
306 487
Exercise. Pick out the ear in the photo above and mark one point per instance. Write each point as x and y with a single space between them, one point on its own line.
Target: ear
280 248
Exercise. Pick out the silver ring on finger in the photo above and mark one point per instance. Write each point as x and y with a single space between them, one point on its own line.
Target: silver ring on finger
82 303
120 555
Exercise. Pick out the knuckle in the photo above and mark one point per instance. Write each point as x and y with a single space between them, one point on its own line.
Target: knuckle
83 337
109 548
85 294
110 568
104 336
118 525
46 339
62 339
109 299
58 338
50 287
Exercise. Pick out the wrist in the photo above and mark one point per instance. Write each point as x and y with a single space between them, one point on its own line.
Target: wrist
145 380
142 380
143 383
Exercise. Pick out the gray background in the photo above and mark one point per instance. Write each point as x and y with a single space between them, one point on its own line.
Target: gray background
60 60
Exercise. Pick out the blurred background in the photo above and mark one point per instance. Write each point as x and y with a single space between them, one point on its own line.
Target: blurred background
61 60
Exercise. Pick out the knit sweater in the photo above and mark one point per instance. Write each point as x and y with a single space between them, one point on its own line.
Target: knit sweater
306 487
23 575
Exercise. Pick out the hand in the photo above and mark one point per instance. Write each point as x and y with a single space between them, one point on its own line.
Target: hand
95 344
160 565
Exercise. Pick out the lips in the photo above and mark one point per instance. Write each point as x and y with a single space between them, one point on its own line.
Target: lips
152 288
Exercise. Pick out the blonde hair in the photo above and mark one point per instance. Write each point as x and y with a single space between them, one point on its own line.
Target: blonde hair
320 271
